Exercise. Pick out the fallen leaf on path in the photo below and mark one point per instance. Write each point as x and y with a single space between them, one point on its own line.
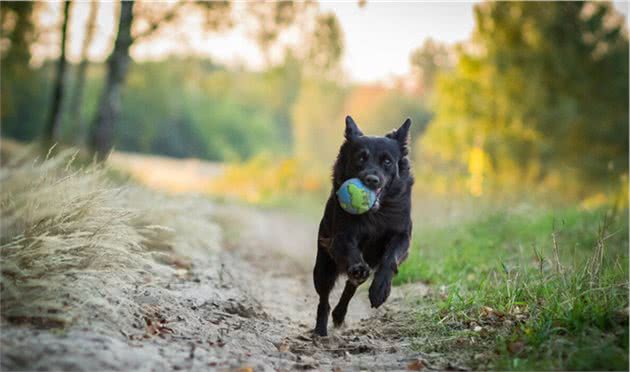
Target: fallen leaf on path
157 327
282 346
417 365
155 322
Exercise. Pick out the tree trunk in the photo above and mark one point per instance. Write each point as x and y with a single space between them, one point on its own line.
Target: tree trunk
109 105
76 101
54 120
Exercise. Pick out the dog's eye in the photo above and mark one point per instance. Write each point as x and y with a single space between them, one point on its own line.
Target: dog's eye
387 162
363 158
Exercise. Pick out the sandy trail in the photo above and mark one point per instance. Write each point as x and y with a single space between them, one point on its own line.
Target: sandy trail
370 339
249 305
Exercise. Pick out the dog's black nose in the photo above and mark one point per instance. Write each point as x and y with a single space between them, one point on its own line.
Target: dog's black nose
372 181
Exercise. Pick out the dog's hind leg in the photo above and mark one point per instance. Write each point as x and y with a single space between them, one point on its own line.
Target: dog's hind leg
324 277
339 313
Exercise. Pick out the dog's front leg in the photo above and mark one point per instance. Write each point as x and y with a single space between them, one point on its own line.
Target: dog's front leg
395 253
349 259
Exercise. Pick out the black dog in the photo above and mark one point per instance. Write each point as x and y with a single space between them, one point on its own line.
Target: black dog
379 239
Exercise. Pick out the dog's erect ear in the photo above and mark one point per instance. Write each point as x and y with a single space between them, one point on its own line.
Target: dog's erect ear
352 130
402 135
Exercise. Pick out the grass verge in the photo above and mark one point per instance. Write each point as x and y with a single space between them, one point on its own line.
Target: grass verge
527 290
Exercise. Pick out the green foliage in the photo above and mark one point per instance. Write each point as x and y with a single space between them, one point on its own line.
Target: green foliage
390 111
317 119
194 108
180 120
21 88
559 278
541 88
16 20
167 109
24 100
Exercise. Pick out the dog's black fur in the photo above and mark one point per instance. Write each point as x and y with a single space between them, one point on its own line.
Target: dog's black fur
379 239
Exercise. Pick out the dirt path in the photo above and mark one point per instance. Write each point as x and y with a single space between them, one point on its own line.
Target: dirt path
249 305
281 276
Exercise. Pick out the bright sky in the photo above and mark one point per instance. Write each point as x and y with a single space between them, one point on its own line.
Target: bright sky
379 37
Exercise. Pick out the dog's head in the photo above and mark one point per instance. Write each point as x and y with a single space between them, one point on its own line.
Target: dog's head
379 162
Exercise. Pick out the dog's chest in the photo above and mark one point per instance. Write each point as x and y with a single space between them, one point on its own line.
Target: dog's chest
372 248
387 218
375 230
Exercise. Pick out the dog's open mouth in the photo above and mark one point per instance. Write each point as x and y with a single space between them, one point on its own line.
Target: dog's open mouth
378 192
377 202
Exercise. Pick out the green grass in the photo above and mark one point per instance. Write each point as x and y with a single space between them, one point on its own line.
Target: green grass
545 290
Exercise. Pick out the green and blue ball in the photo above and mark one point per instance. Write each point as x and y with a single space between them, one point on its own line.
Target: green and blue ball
354 197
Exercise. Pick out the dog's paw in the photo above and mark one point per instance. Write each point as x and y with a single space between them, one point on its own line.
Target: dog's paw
320 332
338 316
379 290
358 273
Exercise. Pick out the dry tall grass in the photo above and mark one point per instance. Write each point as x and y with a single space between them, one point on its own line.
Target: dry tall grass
74 245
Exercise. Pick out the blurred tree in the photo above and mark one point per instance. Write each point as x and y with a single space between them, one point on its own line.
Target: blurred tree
54 120
188 106
268 19
272 17
426 61
378 110
109 104
541 90
102 132
315 55
317 117
324 45
319 43
314 58
76 100
152 18
22 88
17 32
277 92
